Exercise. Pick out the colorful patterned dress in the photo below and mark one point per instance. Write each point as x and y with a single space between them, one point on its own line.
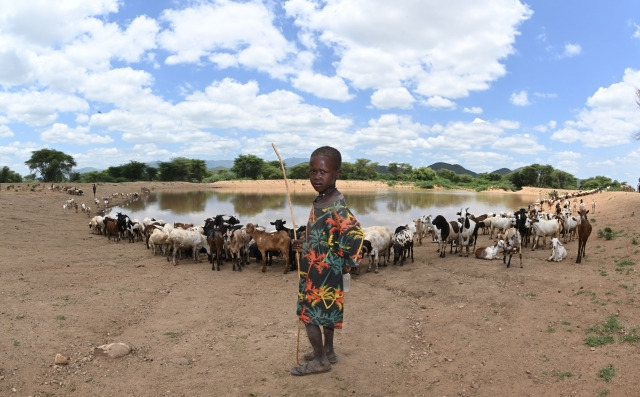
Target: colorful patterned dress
333 239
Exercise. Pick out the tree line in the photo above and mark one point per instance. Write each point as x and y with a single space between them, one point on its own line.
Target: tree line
49 165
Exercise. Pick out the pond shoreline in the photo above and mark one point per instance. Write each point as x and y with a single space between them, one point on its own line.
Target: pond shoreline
303 186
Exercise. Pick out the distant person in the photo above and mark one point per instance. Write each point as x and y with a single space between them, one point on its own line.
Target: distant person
94 190
331 245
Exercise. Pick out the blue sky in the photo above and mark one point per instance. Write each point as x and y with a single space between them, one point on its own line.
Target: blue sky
483 84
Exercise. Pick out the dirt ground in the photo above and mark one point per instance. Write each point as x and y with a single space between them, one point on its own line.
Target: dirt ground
451 326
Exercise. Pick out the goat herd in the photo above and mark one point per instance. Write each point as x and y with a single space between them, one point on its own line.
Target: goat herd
223 238
514 230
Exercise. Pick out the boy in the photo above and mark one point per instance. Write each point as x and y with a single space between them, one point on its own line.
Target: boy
331 245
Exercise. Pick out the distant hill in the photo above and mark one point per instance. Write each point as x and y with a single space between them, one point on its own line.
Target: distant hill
458 169
86 169
502 171
217 164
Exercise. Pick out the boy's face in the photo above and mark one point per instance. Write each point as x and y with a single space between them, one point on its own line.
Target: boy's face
322 173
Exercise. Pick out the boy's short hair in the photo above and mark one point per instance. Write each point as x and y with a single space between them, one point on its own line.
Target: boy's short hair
330 152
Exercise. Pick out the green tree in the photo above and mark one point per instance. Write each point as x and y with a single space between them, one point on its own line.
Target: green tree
364 170
492 177
299 171
598 182
563 180
152 173
400 171
51 164
198 171
222 174
134 171
177 169
546 175
96 176
9 176
526 176
423 174
465 178
271 170
248 166
448 174
348 171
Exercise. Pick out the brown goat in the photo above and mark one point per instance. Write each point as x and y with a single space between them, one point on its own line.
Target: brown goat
266 241
111 229
584 230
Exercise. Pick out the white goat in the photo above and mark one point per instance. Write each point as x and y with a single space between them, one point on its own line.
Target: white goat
96 224
558 252
159 239
377 242
499 223
184 239
490 252
543 228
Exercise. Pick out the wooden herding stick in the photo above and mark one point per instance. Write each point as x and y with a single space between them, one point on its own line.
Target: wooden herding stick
295 237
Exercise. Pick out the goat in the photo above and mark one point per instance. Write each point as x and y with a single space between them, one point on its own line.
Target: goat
570 224
488 253
278 241
446 233
377 242
181 225
468 232
239 247
402 244
181 239
511 244
422 225
558 252
523 224
584 230
96 224
159 238
111 229
543 228
279 224
215 238
134 230
498 223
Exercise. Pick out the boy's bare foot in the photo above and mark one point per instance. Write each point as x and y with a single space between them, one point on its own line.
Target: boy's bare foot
310 368
332 357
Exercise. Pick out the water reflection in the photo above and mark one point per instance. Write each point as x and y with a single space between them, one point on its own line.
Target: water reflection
389 208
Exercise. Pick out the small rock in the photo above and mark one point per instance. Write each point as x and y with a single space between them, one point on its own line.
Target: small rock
61 360
181 361
112 350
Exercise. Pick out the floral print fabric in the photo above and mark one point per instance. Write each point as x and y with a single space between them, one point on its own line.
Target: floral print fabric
333 240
